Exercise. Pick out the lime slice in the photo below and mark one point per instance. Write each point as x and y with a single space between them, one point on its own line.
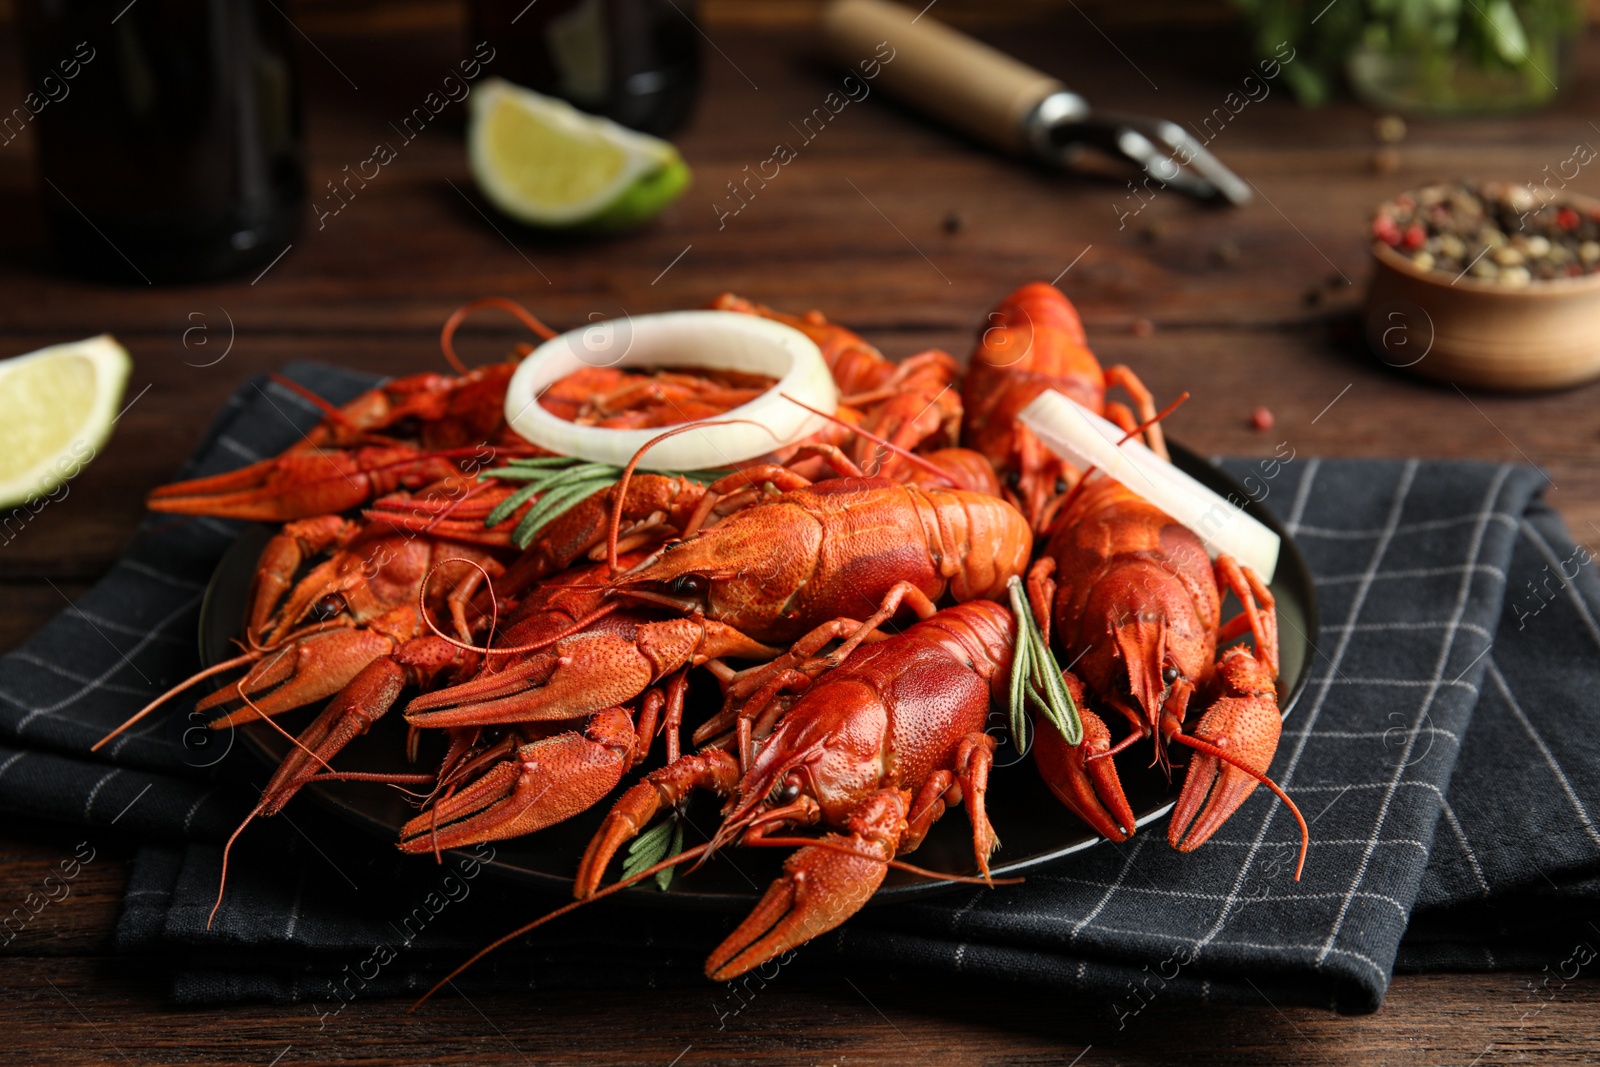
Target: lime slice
56 410
545 163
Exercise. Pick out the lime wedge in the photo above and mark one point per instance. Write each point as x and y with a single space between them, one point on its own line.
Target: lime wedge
56 410
545 163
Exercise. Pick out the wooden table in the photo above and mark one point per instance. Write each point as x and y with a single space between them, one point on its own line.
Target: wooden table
897 228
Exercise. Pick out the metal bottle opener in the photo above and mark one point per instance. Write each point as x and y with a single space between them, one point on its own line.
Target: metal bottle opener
1005 103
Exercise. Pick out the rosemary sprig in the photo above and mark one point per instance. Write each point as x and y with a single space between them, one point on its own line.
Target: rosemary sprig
556 502
560 483
1036 678
663 839
538 482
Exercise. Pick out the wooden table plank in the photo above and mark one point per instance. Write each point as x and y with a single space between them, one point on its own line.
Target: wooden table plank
1019 222
87 1009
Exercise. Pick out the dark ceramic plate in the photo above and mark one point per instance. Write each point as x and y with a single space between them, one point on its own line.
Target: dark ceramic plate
1035 828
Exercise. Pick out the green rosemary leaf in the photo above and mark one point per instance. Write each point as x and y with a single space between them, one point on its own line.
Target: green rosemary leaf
546 461
561 483
514 474
1047 676
582 472
1037 674
554 495
518 470
649 848
555 503
558 508
504 510
661 841
1020 670
664 878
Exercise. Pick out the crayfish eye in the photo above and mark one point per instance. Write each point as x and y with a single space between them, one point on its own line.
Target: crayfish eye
1169 674
690 584
329 607
789 791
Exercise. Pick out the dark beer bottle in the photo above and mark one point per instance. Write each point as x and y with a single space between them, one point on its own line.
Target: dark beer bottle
636 62
169 134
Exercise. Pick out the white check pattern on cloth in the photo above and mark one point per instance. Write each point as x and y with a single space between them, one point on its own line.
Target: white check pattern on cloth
128 639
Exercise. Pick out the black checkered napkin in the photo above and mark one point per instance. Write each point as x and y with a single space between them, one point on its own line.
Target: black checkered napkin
1422 796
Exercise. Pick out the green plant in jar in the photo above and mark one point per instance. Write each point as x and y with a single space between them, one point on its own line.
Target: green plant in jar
1438 57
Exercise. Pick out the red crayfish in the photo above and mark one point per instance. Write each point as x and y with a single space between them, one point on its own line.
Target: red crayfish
876 750
1135 605
1036 342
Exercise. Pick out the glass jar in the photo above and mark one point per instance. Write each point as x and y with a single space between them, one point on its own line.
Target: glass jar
1492 57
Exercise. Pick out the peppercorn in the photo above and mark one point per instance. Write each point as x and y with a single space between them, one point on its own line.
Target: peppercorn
1494 232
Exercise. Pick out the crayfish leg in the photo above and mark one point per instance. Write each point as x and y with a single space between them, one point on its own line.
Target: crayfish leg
714 769
1123 375
974 759
368 697
1259 616
929 807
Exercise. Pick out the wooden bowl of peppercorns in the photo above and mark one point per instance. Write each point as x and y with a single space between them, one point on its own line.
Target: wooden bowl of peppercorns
1490 284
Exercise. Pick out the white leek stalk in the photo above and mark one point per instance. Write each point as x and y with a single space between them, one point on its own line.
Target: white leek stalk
1081 437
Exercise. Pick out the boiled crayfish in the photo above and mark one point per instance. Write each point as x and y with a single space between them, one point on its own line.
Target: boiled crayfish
1036 342
830 560
876 750
553 652
1135 605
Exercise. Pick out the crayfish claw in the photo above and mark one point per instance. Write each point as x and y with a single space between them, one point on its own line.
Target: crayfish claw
582 674
548 781
661 788
1083 777
294 675
1234 743
822 885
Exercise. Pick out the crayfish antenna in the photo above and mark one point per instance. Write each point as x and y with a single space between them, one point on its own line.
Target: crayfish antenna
222 886
487 648
260 804
903 453
329 411
614 530
199 676
458 316
648 872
